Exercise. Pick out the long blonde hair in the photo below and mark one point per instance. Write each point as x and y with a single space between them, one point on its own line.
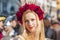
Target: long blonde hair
39 32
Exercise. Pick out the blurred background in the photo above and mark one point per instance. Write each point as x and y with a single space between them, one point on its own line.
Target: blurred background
51 8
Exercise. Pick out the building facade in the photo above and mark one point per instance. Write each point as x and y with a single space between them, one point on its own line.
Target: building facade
9 7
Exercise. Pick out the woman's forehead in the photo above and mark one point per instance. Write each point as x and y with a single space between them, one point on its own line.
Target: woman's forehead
30 15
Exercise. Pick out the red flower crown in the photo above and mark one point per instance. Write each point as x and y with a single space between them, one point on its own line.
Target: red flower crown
33 7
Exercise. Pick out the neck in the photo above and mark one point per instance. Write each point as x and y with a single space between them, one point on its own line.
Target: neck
34 36
31 33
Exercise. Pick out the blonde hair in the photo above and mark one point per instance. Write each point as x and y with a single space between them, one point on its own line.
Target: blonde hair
40 33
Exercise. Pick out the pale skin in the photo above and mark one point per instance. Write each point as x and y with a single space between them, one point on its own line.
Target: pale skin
30 22
13 23
1 24
33 29
31 25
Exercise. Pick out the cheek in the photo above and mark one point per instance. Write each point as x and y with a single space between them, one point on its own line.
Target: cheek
34 23
14 23
26 25
1 24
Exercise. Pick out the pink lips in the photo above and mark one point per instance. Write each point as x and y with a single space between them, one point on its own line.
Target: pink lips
30 27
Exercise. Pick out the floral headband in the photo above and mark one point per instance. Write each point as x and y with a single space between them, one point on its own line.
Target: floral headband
33 7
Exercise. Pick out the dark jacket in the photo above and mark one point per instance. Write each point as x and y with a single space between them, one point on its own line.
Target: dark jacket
49 33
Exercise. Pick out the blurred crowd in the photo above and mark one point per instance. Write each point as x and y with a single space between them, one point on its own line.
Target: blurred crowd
9 27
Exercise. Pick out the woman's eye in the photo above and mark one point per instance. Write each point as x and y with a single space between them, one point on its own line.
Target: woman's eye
32 19
26 21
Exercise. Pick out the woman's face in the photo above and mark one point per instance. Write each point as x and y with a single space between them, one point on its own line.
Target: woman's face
30 22
13 23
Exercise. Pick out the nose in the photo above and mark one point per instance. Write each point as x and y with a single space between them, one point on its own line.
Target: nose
30 23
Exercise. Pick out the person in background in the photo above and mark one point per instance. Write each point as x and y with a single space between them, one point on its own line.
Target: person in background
49 32
2 19
8 30
58 15
56 27
15 26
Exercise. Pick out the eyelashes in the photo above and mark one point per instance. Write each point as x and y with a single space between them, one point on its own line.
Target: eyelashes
27 21
32 19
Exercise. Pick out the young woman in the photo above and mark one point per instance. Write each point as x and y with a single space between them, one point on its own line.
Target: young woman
31 18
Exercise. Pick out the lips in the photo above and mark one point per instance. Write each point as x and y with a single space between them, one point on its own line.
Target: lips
30 27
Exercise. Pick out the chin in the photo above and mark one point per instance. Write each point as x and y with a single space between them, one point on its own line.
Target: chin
32 30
